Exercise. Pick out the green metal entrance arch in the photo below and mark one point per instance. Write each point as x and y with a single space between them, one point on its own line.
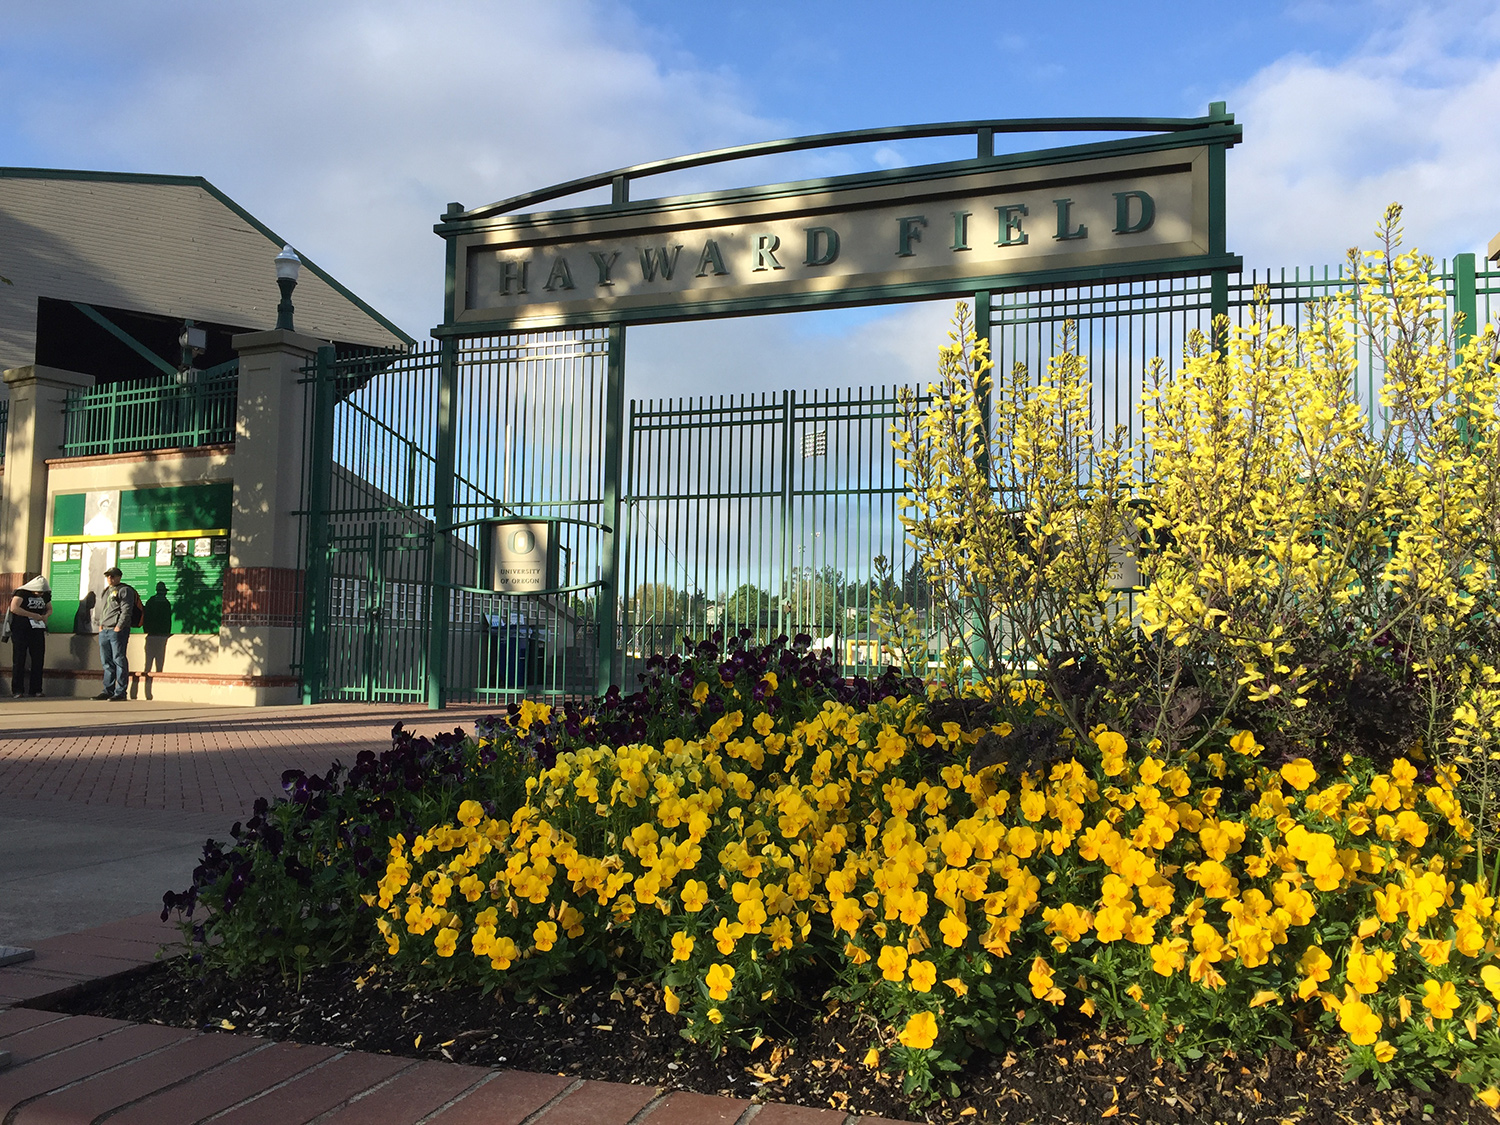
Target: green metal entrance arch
768 512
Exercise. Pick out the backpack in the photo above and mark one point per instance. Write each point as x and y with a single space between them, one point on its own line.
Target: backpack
137 611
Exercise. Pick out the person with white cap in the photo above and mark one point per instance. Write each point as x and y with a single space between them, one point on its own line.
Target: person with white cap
30 607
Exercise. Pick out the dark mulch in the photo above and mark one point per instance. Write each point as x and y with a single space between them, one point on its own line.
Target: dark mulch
622 1034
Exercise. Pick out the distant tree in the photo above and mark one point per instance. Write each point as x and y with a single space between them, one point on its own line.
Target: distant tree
750 606
657 612
813 600
915 591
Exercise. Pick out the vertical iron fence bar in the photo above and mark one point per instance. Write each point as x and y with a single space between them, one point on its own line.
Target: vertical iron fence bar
320 484
441 595
609 594
1464 297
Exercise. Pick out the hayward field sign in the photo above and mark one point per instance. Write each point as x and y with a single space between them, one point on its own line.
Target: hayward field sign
1140 207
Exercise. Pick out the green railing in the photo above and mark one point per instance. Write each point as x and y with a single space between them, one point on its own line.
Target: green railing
159 413
4 424
1121 327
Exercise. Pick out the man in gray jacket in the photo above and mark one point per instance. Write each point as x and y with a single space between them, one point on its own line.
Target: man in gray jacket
117 610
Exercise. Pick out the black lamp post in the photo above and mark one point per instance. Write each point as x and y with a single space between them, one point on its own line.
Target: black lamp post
287 267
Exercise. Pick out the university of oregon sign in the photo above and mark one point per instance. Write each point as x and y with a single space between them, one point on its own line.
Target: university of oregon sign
1138 207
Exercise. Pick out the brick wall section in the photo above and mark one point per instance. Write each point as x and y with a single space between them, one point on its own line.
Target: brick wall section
263 596
8 584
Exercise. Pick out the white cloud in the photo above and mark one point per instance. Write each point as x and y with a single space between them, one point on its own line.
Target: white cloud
1410 117
348 125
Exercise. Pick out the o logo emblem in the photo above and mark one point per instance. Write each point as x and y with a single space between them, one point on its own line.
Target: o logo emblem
522 542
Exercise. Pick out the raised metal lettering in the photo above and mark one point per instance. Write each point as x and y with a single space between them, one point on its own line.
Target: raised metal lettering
605 265
1011 233
1064 221
710 261
910 231
561 276
512 273
961 230
822 246
1123 225
656 260
766 246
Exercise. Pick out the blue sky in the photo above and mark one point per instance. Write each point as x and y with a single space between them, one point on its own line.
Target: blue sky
348 124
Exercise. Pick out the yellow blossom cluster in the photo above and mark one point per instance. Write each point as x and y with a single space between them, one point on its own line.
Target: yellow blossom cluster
864 836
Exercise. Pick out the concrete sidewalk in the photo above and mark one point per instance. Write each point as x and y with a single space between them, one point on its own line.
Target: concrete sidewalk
105 806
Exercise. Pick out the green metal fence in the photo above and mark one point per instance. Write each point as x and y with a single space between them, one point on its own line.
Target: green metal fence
529 430
774 513
1122 327
167 412
770 512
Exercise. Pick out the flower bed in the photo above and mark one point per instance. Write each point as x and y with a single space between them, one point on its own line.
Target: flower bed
797 846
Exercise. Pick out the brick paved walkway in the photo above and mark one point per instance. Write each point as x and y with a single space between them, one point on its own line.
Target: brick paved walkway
105 806
197 760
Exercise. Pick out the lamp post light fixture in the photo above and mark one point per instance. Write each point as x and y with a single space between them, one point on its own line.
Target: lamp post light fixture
288 265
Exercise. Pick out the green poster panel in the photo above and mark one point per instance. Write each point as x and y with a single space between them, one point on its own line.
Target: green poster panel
197 594
192 598
67 514
64 575
184 508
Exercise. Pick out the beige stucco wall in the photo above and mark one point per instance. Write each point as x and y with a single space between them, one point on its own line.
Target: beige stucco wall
138 470
236 665
227 667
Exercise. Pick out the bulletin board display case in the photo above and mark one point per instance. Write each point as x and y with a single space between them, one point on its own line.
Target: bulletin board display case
171 545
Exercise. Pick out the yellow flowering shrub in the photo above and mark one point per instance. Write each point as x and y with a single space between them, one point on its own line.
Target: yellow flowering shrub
1272 552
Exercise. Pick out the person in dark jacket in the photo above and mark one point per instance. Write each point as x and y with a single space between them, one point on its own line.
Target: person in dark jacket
30 607
118 601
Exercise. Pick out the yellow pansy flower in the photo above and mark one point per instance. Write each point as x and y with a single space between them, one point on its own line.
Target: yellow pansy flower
920 1031
694 896
1361 1024
1440 998
720 981
892 962
1299 773
923 975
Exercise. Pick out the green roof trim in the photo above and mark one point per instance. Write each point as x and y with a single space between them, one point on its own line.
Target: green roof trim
200 182
985 130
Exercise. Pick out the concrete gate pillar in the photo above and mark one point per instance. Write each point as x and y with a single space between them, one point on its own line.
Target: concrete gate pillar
35 433
263 587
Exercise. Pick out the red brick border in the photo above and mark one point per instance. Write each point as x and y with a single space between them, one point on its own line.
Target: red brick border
263 595
77 1070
